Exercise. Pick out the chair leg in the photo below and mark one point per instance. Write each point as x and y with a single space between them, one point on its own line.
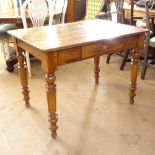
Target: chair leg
143 71
145 63
10 62
3 50
125 58
28 64
6 50
108 58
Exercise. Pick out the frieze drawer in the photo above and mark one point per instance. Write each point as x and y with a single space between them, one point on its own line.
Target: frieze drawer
102 48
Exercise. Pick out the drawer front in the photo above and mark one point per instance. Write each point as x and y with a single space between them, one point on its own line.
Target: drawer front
69 56
131 42
102 48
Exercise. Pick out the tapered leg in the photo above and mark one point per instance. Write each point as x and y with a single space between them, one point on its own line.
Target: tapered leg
134 72
96 69
23 75
51 99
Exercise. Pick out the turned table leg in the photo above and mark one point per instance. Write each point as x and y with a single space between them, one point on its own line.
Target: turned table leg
23 75
134 72
96 69
51 99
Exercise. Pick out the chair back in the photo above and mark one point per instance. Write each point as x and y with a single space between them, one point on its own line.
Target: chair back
149 18
119 9
93 7
61 7
115 10
147 15
38 11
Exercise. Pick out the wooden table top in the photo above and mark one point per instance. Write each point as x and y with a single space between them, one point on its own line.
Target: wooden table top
57 37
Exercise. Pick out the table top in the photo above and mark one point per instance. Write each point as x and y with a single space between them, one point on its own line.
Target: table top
62 36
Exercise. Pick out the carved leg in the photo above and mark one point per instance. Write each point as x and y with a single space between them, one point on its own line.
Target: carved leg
51 99
134 72
23 75
96 69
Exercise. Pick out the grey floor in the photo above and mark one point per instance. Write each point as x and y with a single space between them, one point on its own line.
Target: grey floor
93 120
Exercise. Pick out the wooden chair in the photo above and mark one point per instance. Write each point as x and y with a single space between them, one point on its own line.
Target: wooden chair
146 22
61 6
120 19
150 42
38 11
133 21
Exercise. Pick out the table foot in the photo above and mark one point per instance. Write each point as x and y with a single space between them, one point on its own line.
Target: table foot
51 99
132 93
53 118
96 69
25 92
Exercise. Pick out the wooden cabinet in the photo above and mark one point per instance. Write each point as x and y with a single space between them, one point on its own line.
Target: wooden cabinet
75 10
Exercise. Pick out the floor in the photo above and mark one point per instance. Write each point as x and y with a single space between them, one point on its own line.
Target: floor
93 120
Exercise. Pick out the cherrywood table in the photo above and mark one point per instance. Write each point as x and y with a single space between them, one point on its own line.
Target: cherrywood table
67 43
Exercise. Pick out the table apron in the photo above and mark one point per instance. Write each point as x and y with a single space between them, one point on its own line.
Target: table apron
96 49
70 55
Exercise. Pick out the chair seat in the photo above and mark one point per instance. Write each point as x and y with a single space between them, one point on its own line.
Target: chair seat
3 30
152 42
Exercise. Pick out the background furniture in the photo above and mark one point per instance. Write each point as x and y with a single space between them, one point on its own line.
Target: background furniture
13 16
4 38
150 42
145 17
138 11
131 15
75 10
120 19
6 7
61 7
93 8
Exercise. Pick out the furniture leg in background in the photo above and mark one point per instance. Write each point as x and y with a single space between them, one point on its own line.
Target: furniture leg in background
134 68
